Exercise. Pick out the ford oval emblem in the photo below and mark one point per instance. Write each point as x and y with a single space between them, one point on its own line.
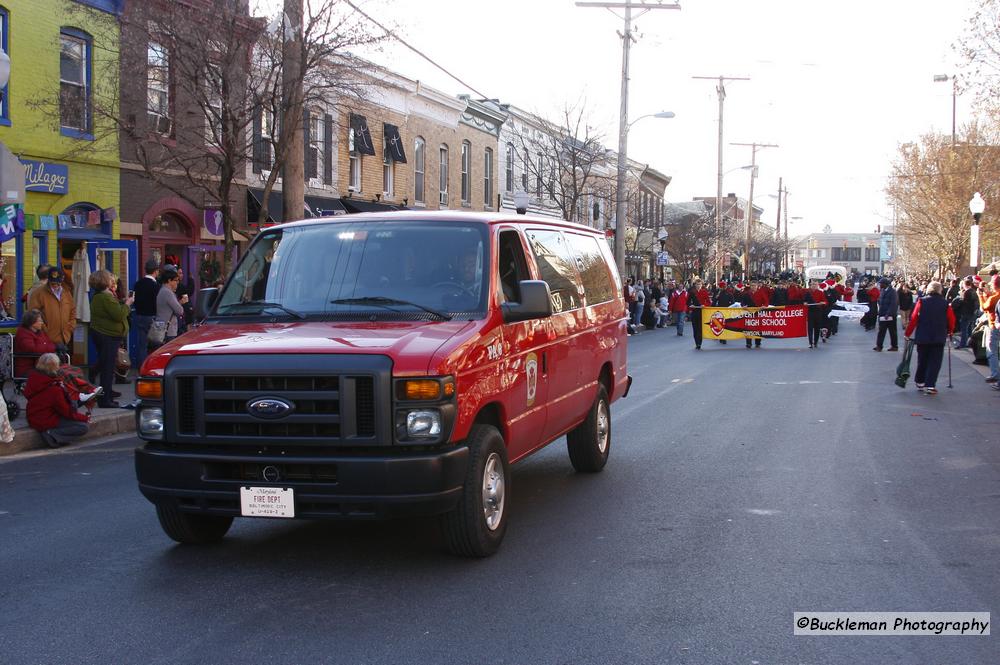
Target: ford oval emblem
269 408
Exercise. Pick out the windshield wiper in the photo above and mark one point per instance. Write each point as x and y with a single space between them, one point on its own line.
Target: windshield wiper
262 305
382 301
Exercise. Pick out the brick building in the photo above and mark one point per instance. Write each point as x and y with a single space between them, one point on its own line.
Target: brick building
171 218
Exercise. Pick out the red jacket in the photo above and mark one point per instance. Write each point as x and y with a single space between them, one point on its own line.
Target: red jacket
761 298
28 341
704 297
911 327
679 301
818 296
48 401
873 294
848 294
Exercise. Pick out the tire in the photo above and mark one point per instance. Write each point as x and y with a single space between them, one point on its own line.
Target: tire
473 528
589 443
190 528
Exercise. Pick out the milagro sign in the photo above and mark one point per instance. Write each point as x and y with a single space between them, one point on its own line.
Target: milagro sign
45 177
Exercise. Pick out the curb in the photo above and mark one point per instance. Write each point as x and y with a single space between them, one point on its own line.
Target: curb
121 421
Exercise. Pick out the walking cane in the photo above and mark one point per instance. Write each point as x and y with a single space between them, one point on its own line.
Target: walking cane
949 362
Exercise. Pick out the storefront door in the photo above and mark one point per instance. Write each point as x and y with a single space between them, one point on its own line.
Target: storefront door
122 258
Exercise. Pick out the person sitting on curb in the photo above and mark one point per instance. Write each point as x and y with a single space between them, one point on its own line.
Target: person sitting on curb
51 411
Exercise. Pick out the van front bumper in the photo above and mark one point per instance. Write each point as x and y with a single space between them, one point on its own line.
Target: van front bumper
342 486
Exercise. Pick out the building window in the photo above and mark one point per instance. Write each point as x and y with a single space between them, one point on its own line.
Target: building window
158 89
314 151
213 98
872 254
509 169
846 254
354 184
4 30
488 177
443 176
266 138
418 170
466 157
538 176
524 171
74 83
387 174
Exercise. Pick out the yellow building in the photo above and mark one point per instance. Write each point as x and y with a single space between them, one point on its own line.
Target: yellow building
64 56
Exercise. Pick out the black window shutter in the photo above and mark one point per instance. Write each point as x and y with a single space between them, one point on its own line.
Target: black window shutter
327 149
305 145
258 147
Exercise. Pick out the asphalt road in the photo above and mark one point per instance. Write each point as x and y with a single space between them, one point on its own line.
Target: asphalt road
743 486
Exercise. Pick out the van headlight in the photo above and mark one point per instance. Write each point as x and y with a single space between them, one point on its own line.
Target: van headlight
423 424
151 422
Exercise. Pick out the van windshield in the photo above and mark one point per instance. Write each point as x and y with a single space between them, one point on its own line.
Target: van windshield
377 269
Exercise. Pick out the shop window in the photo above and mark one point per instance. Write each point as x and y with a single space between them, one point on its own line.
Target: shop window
10 298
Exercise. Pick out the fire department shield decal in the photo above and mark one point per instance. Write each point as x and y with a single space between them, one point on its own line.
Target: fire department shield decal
531 370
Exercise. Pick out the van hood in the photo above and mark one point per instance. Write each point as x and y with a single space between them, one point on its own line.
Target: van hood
410 344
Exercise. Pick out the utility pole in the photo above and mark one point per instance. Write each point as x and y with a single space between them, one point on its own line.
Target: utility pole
293 176
627 39
721 89
786 252
777 222
749 222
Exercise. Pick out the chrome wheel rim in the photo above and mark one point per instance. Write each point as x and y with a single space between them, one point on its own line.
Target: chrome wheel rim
603 427
493 491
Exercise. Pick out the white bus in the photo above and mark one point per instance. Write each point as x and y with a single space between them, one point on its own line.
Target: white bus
820 272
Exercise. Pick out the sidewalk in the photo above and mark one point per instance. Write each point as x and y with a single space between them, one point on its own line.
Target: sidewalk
103 422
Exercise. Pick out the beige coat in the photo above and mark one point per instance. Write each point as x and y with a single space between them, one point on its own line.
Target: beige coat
59 314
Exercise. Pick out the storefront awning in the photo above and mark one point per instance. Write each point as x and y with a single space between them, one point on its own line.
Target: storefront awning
360 205
316 206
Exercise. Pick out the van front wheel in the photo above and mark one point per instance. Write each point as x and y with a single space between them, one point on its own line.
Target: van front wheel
477 525
590 442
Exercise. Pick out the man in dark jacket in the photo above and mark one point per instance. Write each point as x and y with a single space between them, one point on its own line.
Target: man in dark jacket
970 308
888 309
145 308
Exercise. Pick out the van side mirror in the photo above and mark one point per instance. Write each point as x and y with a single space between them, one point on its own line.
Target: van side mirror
206 300
536 302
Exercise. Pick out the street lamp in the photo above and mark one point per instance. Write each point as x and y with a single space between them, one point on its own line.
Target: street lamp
620 197
976 206
943 78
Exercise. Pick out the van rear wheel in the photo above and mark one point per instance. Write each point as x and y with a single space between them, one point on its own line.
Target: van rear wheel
478 523
589 443
190 528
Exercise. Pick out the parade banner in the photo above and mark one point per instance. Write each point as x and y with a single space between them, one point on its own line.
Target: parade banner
753 322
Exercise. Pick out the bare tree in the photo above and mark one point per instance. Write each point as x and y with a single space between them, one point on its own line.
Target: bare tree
564 159
931 183
303 60
979 48
192 80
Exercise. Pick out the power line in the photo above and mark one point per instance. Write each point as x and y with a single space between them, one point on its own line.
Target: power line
402 41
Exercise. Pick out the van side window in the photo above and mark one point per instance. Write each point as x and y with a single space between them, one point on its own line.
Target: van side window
555 265
511 266
592 267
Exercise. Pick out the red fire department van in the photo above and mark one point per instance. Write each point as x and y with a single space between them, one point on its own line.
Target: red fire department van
383 364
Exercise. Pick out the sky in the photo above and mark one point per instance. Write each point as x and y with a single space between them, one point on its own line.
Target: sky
836 85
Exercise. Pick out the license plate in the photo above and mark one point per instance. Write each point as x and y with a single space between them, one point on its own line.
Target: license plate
267 502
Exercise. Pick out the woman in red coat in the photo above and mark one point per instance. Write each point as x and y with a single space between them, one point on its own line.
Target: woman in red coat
31 338
51 410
